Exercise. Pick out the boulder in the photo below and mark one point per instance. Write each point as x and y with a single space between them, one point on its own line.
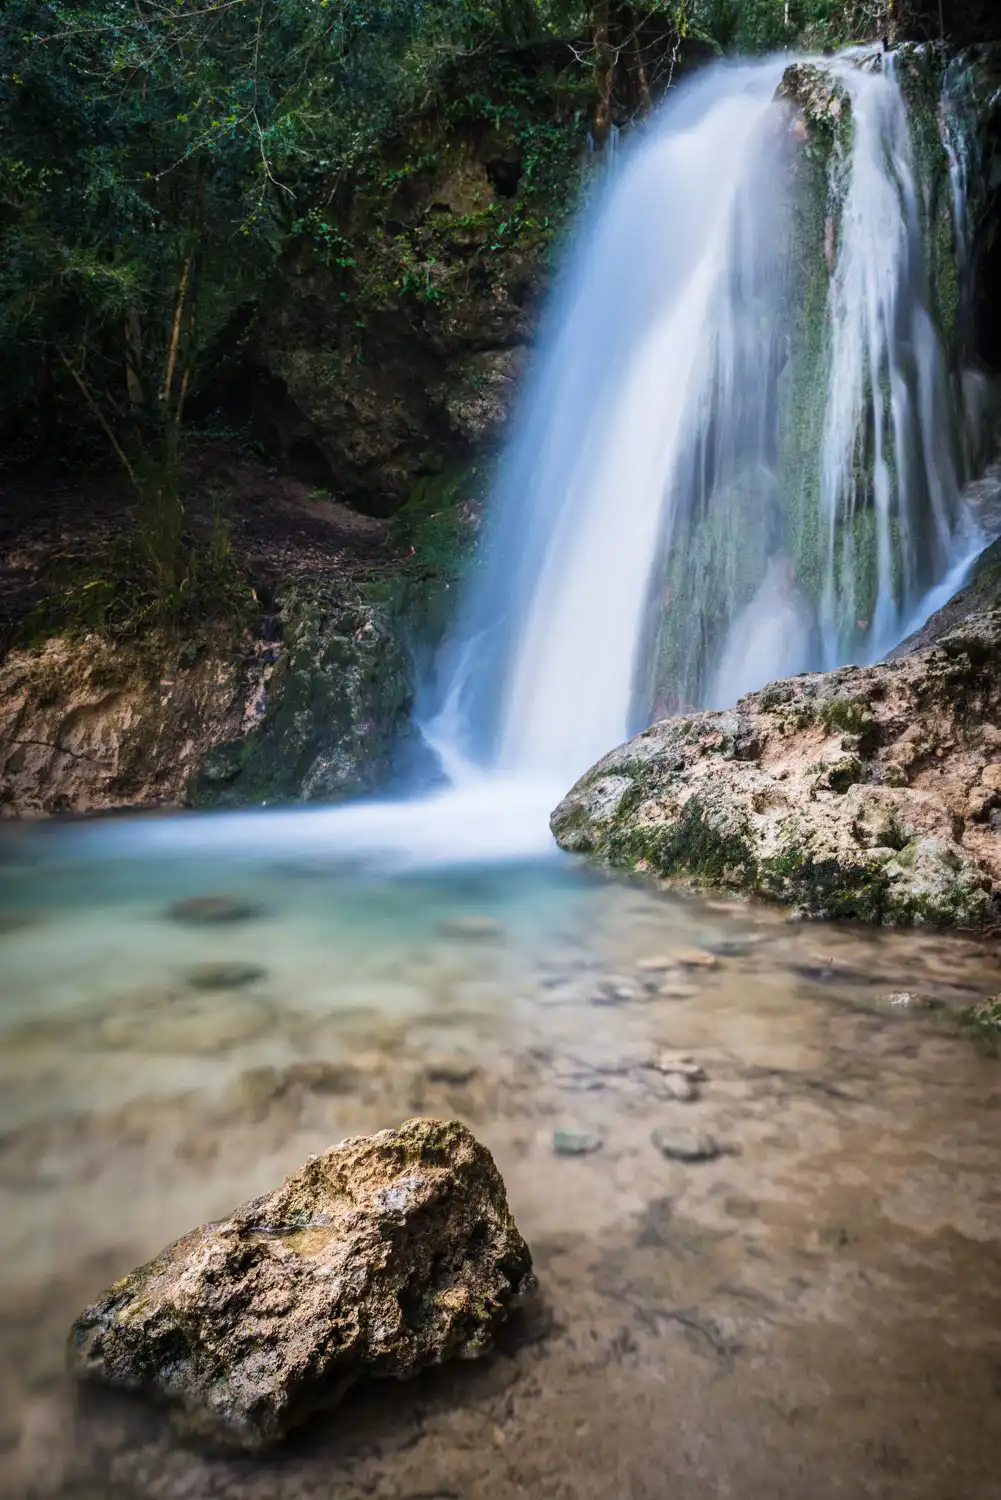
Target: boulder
330 713
868 792
381 1256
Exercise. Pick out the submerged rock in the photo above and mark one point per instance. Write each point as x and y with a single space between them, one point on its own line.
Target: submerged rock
747 798
681 1143
379 1257
212 911
224 976
577 1142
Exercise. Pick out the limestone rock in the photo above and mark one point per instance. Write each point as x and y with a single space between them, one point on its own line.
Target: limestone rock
481 391
88 724
335 703
381 1256
92 724
745 798
681 1143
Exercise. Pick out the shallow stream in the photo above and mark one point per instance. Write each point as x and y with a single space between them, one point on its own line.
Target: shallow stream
813 1311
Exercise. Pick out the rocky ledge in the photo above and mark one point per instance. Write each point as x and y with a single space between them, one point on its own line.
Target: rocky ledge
868 792
382 1256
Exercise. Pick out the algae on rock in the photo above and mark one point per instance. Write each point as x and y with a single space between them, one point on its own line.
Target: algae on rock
379 1257
869 792
334 706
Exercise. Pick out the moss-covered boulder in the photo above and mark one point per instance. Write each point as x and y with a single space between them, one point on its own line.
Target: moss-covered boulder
379 1257
329 712
871 792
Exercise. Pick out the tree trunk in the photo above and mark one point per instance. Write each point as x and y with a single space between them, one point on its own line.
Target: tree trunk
604 70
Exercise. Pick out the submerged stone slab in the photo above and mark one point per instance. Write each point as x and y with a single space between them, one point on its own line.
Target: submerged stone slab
383 1255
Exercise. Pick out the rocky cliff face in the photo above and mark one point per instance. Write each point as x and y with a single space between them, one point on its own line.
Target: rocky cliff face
869 792
86 724
333 701
394 343
313 711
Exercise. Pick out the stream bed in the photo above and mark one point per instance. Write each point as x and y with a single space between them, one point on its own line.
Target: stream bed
810 1309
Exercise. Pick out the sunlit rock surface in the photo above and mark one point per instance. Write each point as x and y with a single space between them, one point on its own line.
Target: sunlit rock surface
383 1255
870 792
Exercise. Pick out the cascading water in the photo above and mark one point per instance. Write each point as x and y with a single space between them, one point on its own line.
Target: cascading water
656 335
889 481
652 445
737 458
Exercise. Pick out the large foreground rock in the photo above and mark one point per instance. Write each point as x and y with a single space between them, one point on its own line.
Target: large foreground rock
869 792
385 1254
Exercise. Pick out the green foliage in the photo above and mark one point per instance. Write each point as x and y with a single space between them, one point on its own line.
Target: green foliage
434 530
773 25
156 157
984 1021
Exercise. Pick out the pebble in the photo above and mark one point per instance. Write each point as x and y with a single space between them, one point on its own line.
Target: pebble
656 965
224 976
730 947
613 992
471 929
680 1064
576 1142
681 1143
451 1070
694 958
677 1086
673 991
209 910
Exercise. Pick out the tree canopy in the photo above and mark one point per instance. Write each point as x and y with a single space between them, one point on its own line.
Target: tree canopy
156 156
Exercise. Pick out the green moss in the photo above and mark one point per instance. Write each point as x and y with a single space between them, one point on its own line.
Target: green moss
691 847
984 1022
846 714
826 887
841 775
433 530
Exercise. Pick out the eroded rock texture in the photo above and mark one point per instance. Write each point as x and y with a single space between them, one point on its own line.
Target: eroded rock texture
868 792
385 1254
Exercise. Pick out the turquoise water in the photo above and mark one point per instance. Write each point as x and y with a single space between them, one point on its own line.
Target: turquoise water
771 1323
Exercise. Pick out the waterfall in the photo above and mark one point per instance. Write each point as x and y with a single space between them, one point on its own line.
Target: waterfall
650 541
890 438
737 457
654 344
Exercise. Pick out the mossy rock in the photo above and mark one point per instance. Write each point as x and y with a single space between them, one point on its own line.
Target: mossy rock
814 791
335 707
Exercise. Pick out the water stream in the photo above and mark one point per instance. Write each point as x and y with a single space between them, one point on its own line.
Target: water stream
814 1311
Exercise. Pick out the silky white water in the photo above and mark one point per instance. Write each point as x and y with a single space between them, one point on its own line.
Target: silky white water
651 346
885 356
648 545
